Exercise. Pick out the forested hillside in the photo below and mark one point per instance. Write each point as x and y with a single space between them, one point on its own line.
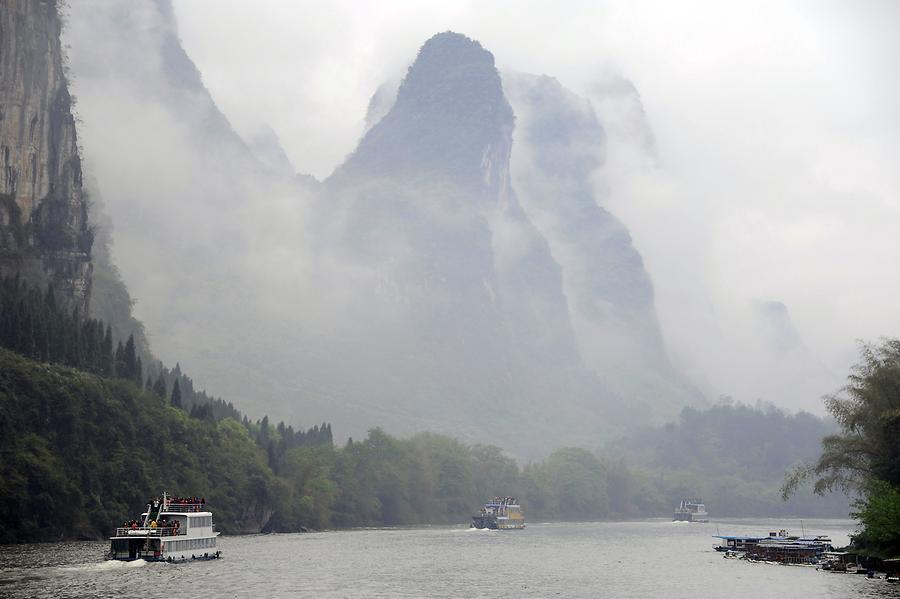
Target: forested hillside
81 453
735 457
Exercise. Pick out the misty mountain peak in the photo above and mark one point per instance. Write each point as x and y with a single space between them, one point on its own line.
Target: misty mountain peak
450 120
456 73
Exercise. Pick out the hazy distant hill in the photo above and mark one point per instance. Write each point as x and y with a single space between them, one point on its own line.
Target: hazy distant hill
560 146
735 457
194 212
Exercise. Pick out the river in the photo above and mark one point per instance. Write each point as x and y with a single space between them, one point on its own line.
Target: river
649 558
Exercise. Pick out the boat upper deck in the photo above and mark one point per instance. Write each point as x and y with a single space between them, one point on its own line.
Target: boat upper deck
170 517
148 531
183 507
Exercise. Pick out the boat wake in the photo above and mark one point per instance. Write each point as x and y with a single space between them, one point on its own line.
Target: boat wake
479 530
18 576
105 566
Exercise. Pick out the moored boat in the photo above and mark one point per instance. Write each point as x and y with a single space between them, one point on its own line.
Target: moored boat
501 513
779 547
172 529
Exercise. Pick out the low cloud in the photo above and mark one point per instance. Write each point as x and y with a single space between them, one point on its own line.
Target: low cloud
761 168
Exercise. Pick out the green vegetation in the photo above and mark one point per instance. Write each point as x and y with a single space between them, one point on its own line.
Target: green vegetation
432 479
35 324
863 458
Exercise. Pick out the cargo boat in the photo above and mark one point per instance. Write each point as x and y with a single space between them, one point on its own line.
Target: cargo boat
501 513
170 530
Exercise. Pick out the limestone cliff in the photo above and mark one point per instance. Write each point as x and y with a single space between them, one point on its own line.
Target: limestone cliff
44 232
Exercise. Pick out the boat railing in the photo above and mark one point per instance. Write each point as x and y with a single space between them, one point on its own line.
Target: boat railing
159 531
184 507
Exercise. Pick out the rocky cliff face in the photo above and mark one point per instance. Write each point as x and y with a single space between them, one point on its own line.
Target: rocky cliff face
44 232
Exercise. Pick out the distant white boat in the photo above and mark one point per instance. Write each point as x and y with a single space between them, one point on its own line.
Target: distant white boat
691 510
171 530
501 513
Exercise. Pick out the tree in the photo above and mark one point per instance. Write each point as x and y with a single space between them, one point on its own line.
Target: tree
176 395
159 387
119 361
138 375
263 438
879 514
868 413
107 359
864 457
129 358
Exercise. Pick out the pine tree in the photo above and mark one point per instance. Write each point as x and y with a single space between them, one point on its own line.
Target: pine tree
176 395
106 354
263 438
138 372
159 387
130 358
119 362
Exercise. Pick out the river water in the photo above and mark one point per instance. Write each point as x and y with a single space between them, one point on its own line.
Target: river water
650 558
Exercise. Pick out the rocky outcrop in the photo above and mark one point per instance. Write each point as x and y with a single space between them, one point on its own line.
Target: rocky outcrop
44 231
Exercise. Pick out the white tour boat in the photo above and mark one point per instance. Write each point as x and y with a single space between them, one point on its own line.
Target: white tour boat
691 510
172 529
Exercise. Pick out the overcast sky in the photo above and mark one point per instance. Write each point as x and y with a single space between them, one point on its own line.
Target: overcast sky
775 124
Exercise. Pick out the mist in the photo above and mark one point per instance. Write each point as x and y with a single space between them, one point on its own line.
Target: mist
747 150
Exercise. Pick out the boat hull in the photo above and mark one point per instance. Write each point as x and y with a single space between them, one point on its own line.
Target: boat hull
169 559
495 523
690 517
